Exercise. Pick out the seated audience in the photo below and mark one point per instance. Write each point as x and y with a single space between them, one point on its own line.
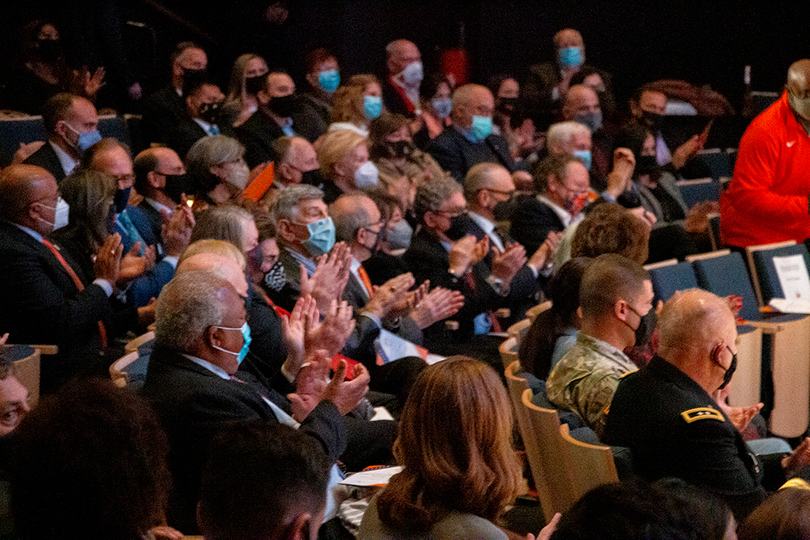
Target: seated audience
280 113
295 162
90 462
510 121
71 124
614 294
217 171
400 90
246 494
436 104
611 228
387 262
592 78
160 178
343 156
455 444
247 78
670 415
356 104
392 150
323 78
554 331
203 106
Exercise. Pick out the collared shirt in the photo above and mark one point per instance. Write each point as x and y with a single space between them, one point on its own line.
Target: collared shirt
286 125
67 162
662 153
586 378
566 218
210 129
411 93
488 227
355 270
159 207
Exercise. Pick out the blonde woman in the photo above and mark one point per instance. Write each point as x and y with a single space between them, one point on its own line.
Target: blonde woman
247 78
356 104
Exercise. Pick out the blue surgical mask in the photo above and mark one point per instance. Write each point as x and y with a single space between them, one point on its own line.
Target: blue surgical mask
570 57
442 106
585 156
329 80
481 127
86 140
245 329
591 120
372 107
321 237
412 74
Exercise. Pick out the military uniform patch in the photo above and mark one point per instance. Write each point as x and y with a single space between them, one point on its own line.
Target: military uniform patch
702 413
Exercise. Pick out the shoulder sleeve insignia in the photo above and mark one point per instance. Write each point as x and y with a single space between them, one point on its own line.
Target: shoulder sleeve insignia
623 375
796 483
702 413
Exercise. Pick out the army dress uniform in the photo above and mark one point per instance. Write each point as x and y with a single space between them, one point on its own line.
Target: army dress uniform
675 429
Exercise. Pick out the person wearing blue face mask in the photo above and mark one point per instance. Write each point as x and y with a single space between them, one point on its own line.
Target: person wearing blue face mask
356 104
71 123
322 80
469 140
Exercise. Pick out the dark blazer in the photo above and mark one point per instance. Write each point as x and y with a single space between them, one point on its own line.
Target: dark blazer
532 220
187 132
148 221
193 404
456 154
40 304
393 100
46 158
259 131
162 112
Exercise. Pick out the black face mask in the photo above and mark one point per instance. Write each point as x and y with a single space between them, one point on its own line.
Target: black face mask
654 121
399 149
254 84
50 50
313 178
646 165
193 74
283 105
646 327
502 210
459 225
730 371
121 199
507 105
210 111
176 186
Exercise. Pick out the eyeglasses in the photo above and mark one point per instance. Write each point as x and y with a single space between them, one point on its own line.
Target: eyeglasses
499 192
125 178
451 213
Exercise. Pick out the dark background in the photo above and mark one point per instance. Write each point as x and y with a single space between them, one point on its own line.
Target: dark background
702 42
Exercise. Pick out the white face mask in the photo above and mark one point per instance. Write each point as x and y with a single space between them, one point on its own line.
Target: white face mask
412 74
366 176
61 214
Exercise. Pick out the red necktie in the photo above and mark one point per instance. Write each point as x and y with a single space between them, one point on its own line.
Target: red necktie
365 279
76 281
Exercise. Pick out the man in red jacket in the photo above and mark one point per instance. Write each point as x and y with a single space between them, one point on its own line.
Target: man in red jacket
769 197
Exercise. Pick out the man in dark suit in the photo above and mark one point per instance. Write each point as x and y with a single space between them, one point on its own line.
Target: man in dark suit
201 338
280 113
163 110
42 299
562 184
469 140
158 172
203 101
400 90
71 123
444 253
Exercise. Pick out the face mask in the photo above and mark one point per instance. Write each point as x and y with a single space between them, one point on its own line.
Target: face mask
459 225
399 236
238 174
591 120
399 149
653 120
569 57
321 237
121 199
84 140
366 176
442 106
329 80
245 329
585 156
575 204
377 239
412 74
254 260
276 278
646 165
283 106
49 49
192 74
730 371
176 185
61 214
254 84
646 327
372 107
313 178
507 105
481 127
800 106
210 111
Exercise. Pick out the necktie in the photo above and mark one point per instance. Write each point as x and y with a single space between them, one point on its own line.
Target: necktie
102 330
213 130
365 279
129 227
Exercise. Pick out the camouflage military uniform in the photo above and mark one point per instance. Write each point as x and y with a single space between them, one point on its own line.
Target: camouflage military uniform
585 379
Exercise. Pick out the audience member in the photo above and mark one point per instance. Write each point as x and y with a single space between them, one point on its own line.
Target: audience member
295 162
71 123
436 96
217 172
455 444
280 113
669 415
614 293
43 299
247 78
345 164
611 228
356 104
14 402
160 178
592 78
400 90
554 331
163 110
387 262
783 516
765 201
203 106
323 78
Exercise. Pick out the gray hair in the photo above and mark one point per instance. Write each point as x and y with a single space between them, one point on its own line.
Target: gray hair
226 222
479 177
430 196
286 205
348 223
281 148
563 132
186 307
210 151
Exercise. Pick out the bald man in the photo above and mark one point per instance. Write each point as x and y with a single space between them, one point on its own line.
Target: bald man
671 416
469 140
160 179
280 114
769 195
401 87
42 298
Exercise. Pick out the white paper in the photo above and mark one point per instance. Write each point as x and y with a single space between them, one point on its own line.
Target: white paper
790 306
793 277
391 347
381 413
434 359
374 477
